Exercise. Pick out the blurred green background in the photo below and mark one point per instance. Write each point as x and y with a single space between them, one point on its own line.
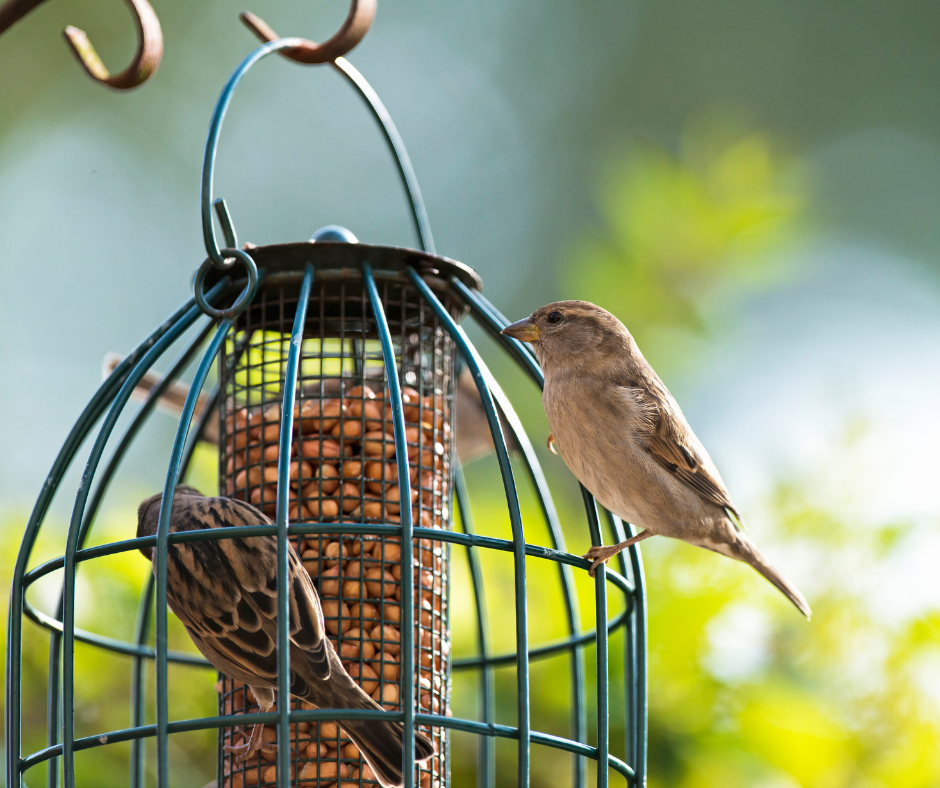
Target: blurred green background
753 188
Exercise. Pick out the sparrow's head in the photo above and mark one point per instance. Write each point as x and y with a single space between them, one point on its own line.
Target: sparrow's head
572 332
149 511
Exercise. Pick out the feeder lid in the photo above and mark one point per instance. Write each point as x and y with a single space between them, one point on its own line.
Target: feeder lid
335 258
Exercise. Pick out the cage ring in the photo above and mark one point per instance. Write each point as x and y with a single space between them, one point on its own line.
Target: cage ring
243 300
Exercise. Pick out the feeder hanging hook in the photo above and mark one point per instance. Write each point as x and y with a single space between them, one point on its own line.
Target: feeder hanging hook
357 24
149 43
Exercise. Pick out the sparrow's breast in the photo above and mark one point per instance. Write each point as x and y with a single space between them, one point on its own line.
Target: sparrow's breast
596 436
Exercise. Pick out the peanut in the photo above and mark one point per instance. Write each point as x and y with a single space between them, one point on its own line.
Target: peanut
324 509
388 695
325 770
329 582
348 430
316 449
365 648
336 615
333 553
388 666
365 611
378 444
348 496
391 637
352 469
372 510
315 750
380 583
364 676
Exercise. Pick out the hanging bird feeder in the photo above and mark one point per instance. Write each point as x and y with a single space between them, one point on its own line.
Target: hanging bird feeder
335 412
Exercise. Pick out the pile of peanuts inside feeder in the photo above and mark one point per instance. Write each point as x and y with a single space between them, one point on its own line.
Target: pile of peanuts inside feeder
344 469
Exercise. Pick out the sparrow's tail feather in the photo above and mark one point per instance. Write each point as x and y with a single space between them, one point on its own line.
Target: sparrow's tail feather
381 745
379 742
743 549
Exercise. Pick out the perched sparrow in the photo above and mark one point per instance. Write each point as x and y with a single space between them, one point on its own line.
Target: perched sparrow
624 437
225 593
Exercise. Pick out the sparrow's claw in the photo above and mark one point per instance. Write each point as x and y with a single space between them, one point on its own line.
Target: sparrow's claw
552 447
601 555
255 743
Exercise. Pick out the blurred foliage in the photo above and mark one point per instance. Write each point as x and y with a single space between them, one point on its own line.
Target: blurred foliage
749 695
685 233
107 594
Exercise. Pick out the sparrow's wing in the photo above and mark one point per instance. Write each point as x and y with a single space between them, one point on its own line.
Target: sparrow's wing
172 400
671 442
473 436
227 596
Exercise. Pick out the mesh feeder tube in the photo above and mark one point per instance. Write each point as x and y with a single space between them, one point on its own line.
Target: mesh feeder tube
344 472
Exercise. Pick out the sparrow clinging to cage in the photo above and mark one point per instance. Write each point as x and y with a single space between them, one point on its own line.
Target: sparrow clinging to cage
225 593
624 437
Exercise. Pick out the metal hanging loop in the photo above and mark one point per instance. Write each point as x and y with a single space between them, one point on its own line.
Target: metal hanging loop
243 300
149 43
357 24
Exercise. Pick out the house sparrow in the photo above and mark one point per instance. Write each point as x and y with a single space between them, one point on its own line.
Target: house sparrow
624 437
225 593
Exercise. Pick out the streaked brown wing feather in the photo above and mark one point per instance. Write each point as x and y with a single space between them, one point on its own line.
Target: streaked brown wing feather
671 442
242 627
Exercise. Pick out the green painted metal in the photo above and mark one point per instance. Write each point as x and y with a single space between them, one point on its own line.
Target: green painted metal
103 481
600 640
138 766
160 554
557 539
115 392
635 658
482 380
308 529
86 421
283 564
206 723
396 146
72 542
407 654
467 540
486 770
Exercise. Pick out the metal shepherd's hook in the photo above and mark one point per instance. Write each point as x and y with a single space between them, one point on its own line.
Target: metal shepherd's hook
357 24
149 46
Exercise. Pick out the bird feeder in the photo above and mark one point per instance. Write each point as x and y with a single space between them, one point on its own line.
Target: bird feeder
336 409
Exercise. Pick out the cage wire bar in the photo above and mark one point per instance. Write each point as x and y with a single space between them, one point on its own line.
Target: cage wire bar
110 401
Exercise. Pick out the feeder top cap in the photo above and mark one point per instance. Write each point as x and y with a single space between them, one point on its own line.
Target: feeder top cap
334 233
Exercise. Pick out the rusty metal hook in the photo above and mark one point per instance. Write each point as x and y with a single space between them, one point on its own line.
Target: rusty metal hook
149 43
357 24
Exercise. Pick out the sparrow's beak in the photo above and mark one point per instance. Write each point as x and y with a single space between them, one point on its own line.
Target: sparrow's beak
523 330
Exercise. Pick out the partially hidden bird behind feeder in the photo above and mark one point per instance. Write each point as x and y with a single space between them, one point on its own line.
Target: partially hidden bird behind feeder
624 437
225 594
472 431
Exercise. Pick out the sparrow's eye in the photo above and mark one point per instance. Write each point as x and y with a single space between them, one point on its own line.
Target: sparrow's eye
555 317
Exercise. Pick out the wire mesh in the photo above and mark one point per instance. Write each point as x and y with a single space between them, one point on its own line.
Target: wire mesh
343 469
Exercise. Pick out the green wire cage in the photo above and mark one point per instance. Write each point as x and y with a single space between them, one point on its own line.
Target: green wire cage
336 408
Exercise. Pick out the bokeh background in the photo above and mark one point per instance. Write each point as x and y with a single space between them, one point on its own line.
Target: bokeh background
753 188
